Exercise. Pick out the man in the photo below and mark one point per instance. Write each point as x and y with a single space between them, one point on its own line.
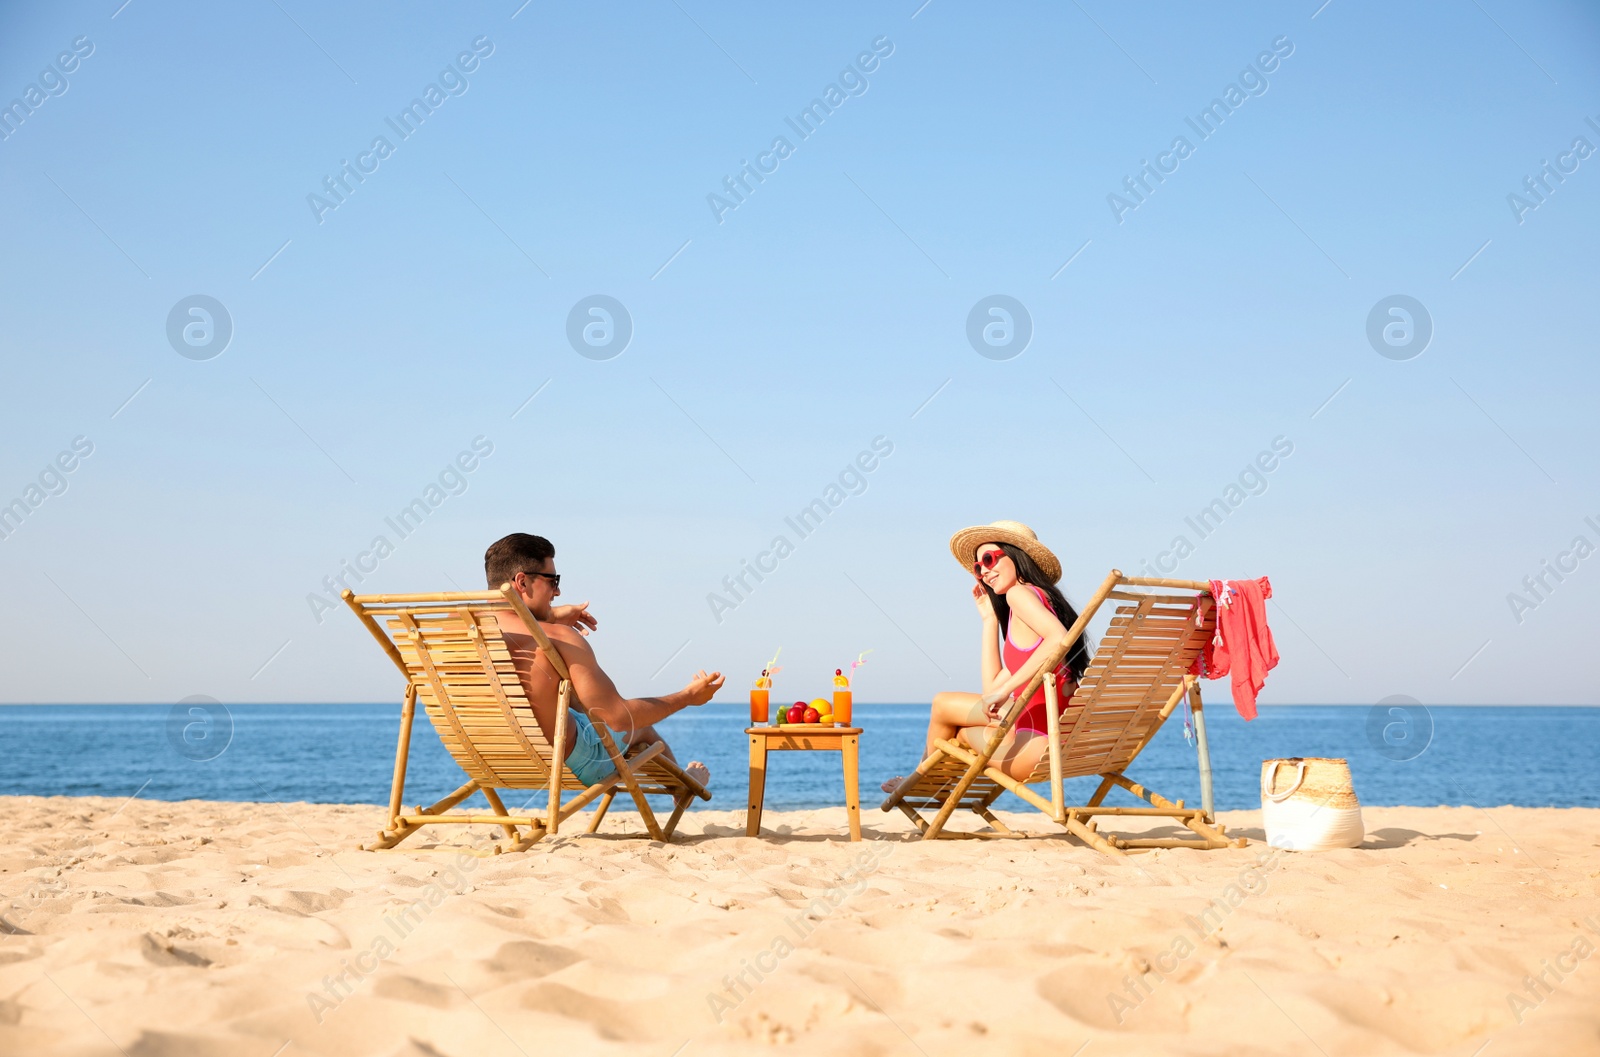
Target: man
528 563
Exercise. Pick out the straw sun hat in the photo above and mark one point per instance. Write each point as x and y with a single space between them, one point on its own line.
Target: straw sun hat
964 545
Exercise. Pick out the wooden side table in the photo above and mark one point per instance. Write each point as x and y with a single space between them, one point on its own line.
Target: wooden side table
804 737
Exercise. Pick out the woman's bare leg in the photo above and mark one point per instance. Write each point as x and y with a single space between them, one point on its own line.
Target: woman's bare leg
952 711
1020 753
1017 755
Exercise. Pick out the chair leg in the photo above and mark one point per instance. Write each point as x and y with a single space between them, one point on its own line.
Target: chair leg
1093 839
500 809
916 819
989 817
625 772
1212 837
681 802
1194 820
1101 791
953 800
523 842
441 806
650 824
402 754
600 812
388 838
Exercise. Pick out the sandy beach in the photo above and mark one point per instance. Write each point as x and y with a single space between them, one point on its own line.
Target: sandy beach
201 928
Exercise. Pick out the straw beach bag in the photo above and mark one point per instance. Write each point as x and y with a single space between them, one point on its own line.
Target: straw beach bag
1309 804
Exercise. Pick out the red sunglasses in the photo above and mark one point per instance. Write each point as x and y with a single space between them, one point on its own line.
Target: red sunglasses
986 561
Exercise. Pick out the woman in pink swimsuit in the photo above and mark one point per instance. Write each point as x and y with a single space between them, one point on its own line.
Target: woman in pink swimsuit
1021 608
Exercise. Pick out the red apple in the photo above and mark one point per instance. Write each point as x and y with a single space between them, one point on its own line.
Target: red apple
812 716
797 712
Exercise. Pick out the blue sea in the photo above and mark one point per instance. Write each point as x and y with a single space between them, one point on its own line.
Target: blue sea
1482 756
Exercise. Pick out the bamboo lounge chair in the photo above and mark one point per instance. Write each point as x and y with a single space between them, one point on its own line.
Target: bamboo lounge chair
1138 675
456 662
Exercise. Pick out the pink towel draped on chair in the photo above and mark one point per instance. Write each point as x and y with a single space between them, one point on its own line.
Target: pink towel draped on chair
1242 644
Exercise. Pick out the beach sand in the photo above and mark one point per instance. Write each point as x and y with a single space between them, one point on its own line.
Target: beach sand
201 928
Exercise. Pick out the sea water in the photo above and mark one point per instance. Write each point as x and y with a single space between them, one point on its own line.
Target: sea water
1483 755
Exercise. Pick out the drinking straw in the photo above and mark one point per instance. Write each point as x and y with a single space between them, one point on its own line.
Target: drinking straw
771 667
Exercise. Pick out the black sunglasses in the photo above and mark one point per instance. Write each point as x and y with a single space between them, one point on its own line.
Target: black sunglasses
554 578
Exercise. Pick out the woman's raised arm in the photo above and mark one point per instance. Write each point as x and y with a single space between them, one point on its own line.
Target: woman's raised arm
1026 607
990 644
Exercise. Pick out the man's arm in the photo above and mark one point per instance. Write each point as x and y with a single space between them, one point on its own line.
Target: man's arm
601 697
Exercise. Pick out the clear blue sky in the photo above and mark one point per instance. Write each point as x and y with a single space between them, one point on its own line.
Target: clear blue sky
375 337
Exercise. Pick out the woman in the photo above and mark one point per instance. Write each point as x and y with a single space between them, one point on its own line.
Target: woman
1021 609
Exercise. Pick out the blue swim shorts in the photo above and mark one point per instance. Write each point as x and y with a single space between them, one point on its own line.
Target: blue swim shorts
589 760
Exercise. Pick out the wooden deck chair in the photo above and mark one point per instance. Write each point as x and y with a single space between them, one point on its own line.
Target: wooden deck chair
1137 677
456 662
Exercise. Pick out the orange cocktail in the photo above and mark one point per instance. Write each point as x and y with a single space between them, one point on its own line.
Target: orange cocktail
758 706
841 707
841 698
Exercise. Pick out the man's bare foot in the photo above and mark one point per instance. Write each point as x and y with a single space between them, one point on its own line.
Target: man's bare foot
892 784
699 772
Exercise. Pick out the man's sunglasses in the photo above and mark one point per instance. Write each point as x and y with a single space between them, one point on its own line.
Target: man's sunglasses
554 578
986 561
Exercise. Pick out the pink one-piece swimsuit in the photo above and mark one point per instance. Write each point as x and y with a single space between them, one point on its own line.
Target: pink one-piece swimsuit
1033 716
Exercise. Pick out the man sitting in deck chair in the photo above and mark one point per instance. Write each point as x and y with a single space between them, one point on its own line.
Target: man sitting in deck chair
528 564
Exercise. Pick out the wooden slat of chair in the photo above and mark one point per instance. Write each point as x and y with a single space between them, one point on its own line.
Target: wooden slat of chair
1051 661
458 665
440 703
1157 680
1137 676
1174 674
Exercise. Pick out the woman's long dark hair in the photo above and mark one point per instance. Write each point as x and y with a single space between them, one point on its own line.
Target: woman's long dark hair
1029 573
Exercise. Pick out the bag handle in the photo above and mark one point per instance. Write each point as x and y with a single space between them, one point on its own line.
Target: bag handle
1271 778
